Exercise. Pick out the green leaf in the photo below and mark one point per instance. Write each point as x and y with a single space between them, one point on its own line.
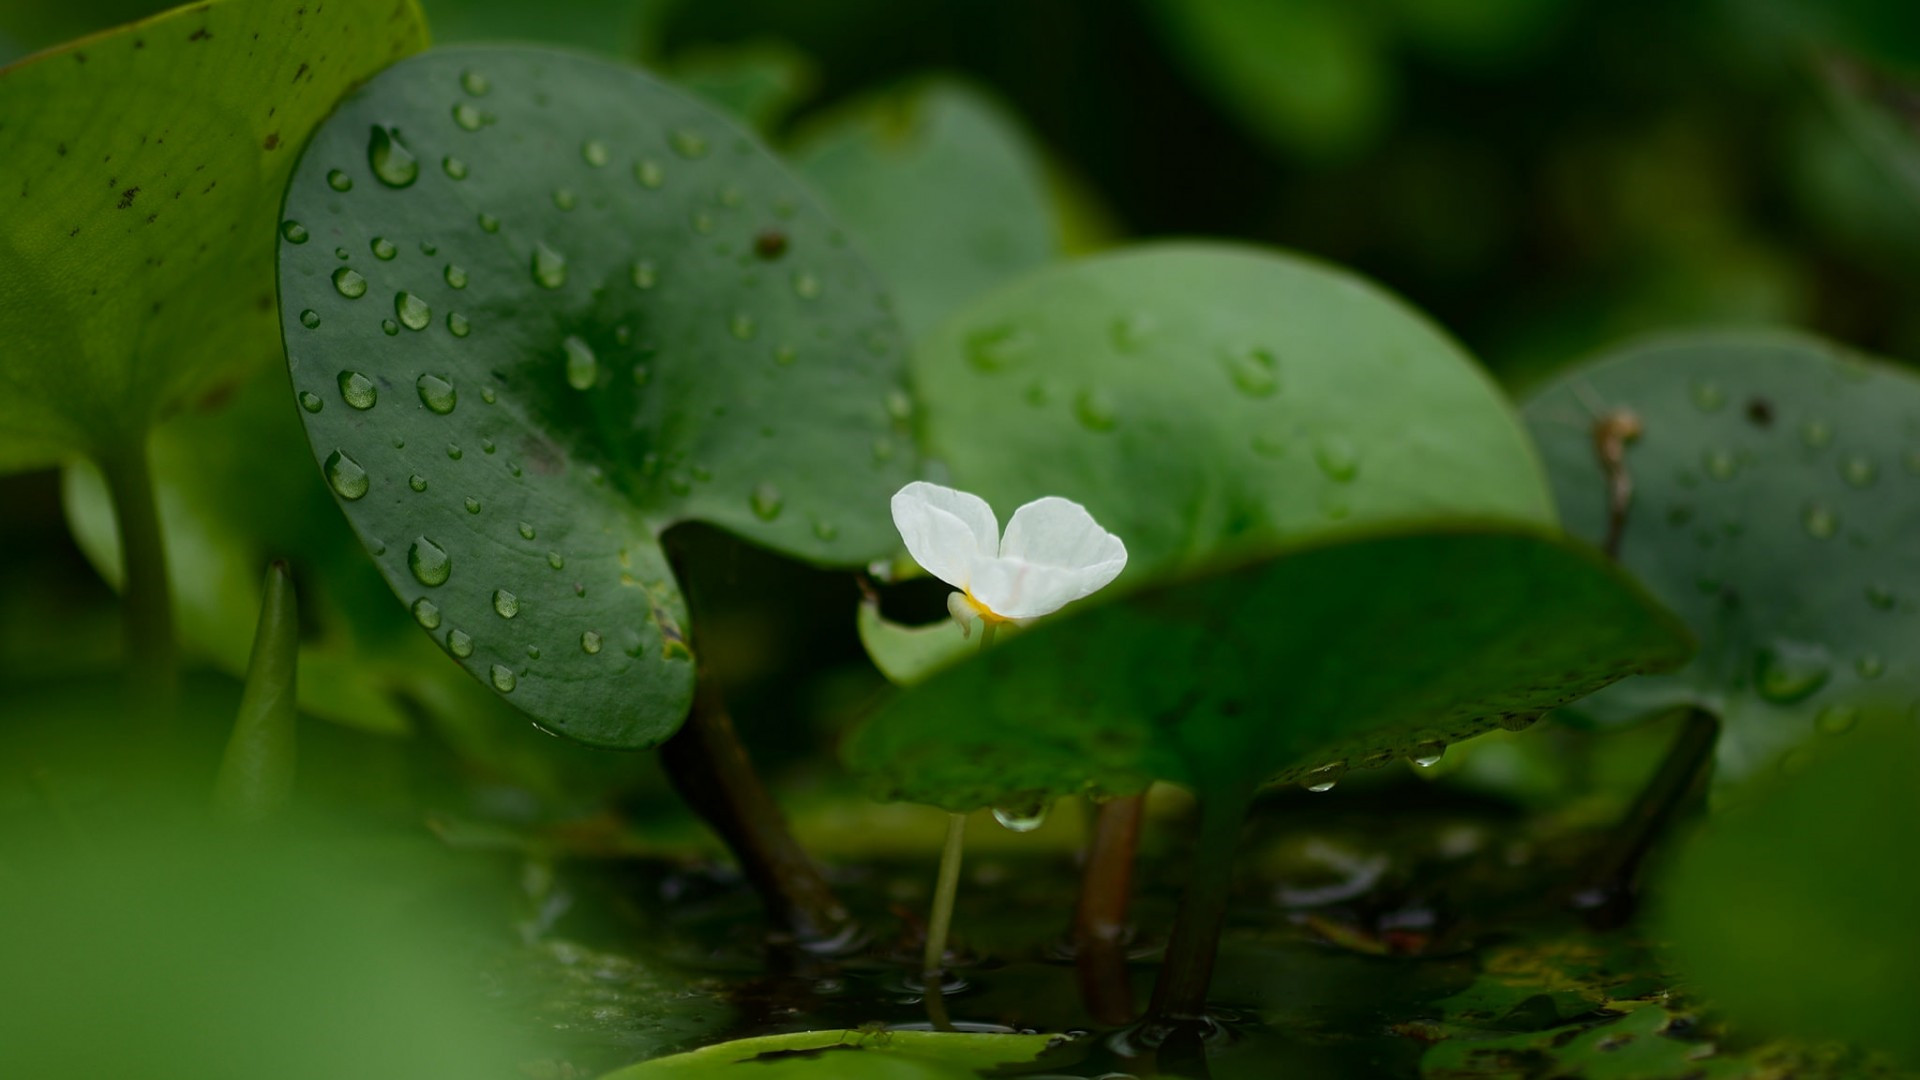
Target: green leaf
1771 510
547 308
1881 113
943 188
758 81
1794 911
854 1055
617 28
1203 398
135 255
907 654
1322 657
256 773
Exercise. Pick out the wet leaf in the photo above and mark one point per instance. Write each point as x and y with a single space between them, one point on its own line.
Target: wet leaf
943 188
854 1055
1770 512
135 256
1343 654
582 309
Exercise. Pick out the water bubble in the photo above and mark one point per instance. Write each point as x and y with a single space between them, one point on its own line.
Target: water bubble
527 531
358 390
426 613
436 393
1323 778
742 326
805 285
549 267
1428 754
583 368
458 326
1708 397
473 505
349 283
1820 521
766 501
468 117
1816 433
295 232
453 167
1023 817
1337 458
1870 666
996 348
1790 671
1859 471
393 164
649 173
345 476
564 199
589 642
430 563
459 643
645 274
310 401
488 223
473 82
413 312
505 604
339 181
502 677
1095 410
1255 372
417 482
310 318
556 560
594 153
688 143
1836 719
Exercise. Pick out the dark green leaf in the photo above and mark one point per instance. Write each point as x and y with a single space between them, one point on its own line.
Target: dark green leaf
548 308
1771 510
1345 654
135 255
257 771
758 81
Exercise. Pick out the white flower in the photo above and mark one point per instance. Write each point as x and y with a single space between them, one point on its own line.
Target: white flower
1053 553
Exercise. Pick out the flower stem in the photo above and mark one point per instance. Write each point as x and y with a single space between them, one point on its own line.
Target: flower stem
1180 993
1609 893
940 920
146 601
1100 914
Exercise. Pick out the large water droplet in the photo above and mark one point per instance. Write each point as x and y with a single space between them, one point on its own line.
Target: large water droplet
1428 754
345 476
436 393
1790 671
583 368
1820 521
1023 817
549 267
413 312
502 677
589 642
358 390
348 282
459 643
339 181
383 248
997 348
505 604
430 563
1255 372
295 232
1337 458
392 163
1095 410
766 501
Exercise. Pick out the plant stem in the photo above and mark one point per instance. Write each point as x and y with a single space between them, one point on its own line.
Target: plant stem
1609 895
1180 993
710 769
146 601
256 774
1100 914
940 920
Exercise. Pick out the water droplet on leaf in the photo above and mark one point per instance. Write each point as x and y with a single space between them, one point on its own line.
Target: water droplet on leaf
339 181
1790 671
502 677
413 312
766 501
345 476
348 282
549 267
505 604
436 393
459 643
358 390
583 368
426 613
430 563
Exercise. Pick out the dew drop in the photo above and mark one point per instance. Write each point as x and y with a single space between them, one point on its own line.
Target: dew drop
456 277
473 505
436 393
430 563
310 401
413 312
1269 444
766 501
348 282
594 153
468 117
899 406
583 368
1820 521
1790 671
805 285
294 232
487 395
417 482
383 248
310 318
703 224
473 82
688 143
590 643
649 173
345 476
883 449
549 267
1255 372
527 531
1323 778
389 327
458 326
564 199
556 560
358 390
996 348
645 275
339 181
1023 817
488 223
505 604
1337 458
1428 754
1095 410
426 613
454 451
1836 719
785 354
1858 470
453 167
502 677
459 643
392 163
742 326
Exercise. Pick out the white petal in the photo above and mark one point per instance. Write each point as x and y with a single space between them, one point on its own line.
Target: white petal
946 531
1054 553
963 613
1017 589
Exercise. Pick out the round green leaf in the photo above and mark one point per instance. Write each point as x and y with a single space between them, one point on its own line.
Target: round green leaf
540 309
135 255
941 186
1200 398
847 1055
1347 654
1773 508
